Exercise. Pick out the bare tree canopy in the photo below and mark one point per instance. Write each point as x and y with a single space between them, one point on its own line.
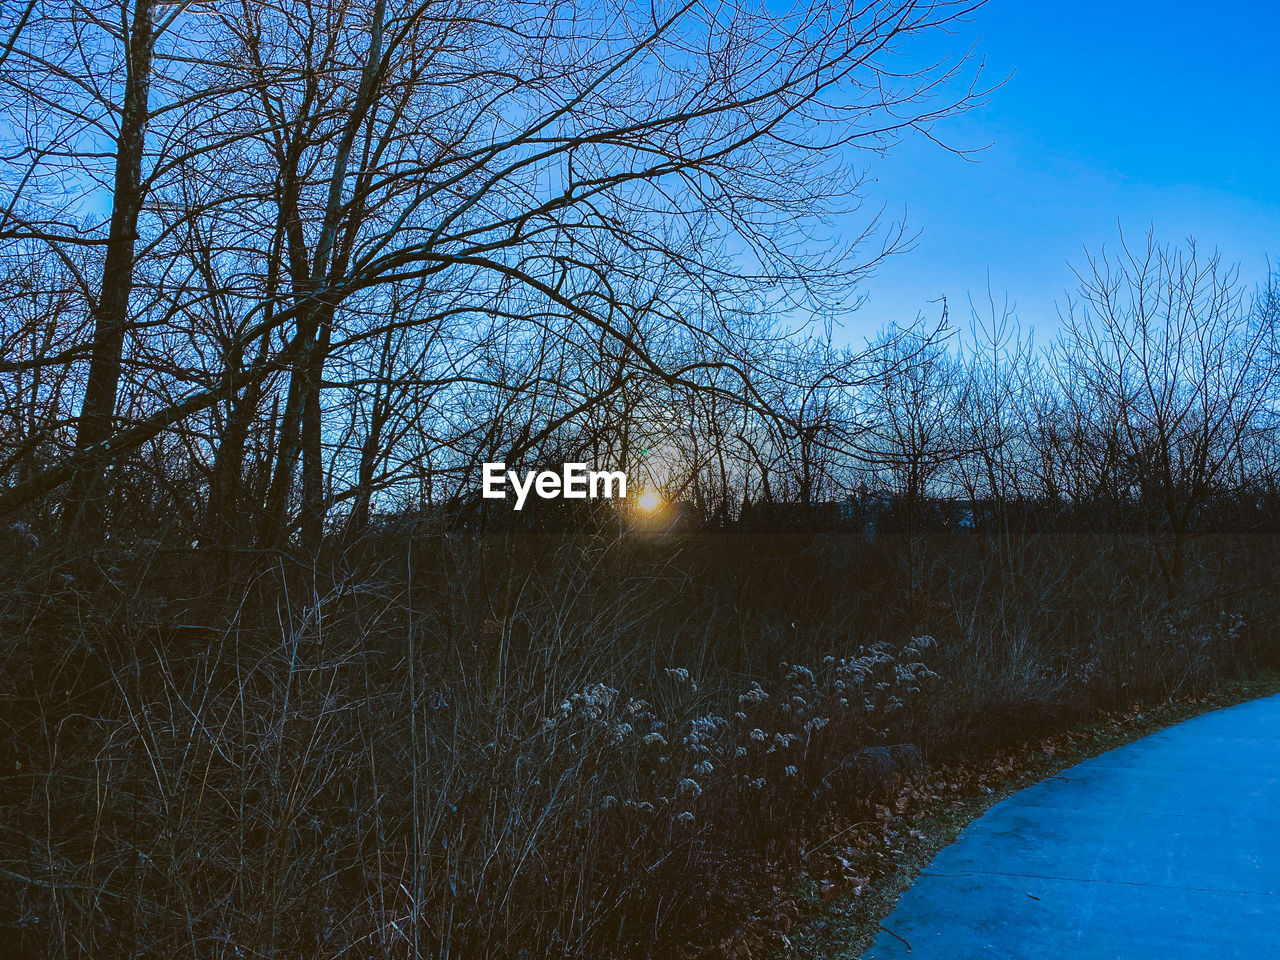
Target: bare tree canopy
291 185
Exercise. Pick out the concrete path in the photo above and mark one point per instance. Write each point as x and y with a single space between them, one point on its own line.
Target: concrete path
1165 849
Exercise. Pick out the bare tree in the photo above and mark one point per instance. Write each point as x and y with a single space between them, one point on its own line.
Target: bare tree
573 167
920 393
995 399
1162 362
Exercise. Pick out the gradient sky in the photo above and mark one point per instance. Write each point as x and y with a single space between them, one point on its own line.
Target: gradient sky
1129 113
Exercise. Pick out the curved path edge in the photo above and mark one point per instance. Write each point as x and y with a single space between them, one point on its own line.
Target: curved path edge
1165 848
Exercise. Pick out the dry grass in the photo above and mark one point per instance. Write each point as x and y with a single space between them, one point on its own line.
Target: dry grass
524 747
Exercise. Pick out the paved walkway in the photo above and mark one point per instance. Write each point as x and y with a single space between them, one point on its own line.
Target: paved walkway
1165 849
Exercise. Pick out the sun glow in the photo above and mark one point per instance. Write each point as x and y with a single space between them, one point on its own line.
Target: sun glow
649 501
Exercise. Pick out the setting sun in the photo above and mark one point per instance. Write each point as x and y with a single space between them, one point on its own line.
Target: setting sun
649 501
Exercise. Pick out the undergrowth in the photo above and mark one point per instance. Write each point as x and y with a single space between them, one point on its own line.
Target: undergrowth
451 746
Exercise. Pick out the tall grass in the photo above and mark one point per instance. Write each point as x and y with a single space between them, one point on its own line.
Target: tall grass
530 746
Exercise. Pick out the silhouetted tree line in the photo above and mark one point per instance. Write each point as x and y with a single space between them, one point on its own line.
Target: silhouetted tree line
272 271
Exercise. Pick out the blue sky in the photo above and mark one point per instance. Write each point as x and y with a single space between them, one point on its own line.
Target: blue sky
1130 113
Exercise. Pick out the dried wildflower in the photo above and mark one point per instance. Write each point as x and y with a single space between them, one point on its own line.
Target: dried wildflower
598 695
701 730
799 674
592 703
758 735
704 767
654 739
687 786
789 771
684 817
755 695
702 727
22 531
679 674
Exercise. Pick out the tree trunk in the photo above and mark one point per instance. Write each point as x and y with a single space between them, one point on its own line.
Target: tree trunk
97 412
314 505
